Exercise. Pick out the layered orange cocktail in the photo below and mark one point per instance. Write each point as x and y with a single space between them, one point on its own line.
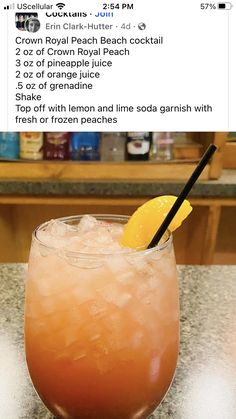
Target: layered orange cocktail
101 320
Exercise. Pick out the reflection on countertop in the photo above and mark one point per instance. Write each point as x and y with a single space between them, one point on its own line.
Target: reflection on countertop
204 386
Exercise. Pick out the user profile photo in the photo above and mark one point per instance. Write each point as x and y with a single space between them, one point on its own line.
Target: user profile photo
32 24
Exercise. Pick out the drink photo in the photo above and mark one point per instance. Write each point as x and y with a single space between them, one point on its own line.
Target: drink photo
121 309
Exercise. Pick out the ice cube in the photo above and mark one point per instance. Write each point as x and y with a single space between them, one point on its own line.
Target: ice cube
111 293
141 313
87 223
100 355
165 269
45 237
123 299
142 266
115 295
156 255
142 290
115 230
104 238
152 283
118 265
45 250
57 228
50 240
81 294
80 261
126 277
93 242
118 334
97 308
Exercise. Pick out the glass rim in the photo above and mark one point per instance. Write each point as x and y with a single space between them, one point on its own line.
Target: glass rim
112 217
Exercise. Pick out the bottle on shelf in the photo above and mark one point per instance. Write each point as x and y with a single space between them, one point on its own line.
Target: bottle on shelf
113 146
85 146
162 148
154 147
9 145
31 145
138 145
56 146
181 137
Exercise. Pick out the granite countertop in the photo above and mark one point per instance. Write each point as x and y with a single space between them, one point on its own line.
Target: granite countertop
223 187
204 386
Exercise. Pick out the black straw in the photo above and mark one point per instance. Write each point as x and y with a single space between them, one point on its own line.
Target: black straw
183 194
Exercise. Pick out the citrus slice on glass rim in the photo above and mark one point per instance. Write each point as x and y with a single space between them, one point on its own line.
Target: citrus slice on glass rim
146 220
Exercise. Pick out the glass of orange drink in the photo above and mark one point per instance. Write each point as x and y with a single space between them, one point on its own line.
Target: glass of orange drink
101 320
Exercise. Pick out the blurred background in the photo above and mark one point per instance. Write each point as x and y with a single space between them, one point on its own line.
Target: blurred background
45 175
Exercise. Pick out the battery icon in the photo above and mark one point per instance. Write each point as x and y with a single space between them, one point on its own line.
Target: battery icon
225 6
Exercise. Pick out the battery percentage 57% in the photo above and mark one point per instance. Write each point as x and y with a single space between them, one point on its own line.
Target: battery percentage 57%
208 6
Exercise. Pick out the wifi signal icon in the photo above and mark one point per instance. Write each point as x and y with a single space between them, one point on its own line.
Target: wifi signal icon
60 5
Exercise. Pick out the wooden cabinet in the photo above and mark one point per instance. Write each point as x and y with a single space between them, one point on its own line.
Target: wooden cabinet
206 237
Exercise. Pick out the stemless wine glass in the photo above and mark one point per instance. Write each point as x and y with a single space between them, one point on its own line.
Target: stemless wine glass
101 330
